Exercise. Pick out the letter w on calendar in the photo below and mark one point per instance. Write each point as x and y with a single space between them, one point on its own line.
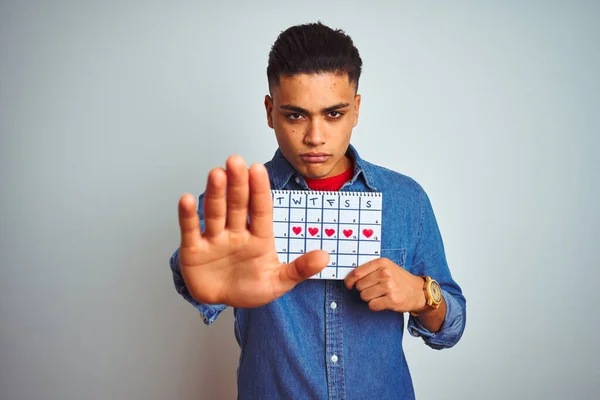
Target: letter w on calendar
347 225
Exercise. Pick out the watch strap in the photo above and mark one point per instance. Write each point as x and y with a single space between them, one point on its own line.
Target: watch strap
429 303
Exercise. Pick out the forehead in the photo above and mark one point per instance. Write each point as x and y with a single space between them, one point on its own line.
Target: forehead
316 90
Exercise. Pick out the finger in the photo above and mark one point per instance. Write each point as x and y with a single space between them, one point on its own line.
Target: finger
304 267
189 223
373 292
370 280
261 204
237 194
360 272
379 304
215 206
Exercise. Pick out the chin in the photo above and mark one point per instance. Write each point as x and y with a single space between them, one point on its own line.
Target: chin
316 172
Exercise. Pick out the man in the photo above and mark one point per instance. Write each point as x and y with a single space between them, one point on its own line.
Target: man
316 339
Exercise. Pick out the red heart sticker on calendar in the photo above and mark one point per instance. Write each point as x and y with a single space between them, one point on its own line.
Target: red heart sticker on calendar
347 232
368 232
313 231
297 229
329 232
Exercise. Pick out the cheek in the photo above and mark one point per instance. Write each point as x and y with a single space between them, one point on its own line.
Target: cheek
288 137
287 131
283 126
344 130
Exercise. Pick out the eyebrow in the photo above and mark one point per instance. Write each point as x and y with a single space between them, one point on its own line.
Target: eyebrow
301 110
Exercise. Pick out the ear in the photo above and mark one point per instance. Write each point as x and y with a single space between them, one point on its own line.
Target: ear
269 109
356 108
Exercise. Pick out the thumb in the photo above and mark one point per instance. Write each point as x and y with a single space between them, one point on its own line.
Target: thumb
305 266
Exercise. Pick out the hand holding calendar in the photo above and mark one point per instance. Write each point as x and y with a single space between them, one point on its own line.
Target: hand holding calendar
235 262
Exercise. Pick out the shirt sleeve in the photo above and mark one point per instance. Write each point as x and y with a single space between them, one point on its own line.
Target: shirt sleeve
430 260
209 312
451 329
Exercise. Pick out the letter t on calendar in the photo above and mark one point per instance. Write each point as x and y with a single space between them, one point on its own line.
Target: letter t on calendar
347 225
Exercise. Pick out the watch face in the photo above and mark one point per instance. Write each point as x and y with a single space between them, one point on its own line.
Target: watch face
436 292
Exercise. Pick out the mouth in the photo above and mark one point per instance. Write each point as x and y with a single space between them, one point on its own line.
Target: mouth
315 157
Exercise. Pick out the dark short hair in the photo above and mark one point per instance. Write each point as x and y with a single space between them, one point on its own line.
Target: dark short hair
311 49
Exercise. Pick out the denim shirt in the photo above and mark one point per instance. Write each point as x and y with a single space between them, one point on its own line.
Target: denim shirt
321 340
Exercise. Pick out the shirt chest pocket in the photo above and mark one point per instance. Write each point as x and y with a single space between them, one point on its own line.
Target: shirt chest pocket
397 256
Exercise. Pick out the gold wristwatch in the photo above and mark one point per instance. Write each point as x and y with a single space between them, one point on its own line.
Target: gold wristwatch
433 296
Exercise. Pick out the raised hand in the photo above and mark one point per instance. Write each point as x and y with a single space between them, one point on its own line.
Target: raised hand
234 261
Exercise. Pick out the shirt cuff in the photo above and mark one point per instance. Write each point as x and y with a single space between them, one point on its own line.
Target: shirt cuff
451 329
209 312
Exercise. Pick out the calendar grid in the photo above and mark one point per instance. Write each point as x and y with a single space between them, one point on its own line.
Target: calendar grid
289 227
322 220
350 231
337 250
358 245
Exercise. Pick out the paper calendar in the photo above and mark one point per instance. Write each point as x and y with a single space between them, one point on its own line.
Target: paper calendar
347 225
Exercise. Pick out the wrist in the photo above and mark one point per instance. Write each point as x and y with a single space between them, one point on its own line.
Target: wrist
433 296
420 301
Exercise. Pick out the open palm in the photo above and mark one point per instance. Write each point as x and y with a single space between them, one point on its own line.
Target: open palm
234 261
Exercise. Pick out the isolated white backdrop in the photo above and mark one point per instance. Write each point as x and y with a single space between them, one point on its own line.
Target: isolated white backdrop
110 110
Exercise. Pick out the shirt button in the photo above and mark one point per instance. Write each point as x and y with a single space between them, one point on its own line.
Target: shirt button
333 305
297 180
334 358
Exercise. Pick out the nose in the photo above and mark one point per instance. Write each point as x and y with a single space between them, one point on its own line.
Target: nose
314 135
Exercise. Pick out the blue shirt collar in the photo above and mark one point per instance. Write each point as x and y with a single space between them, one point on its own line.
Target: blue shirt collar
281 171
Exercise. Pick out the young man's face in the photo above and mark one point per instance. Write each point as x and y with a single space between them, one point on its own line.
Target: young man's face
313 116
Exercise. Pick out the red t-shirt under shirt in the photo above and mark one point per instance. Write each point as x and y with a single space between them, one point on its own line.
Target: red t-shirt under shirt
334 183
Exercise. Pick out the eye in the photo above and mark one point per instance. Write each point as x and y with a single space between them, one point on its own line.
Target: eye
294 116
335 114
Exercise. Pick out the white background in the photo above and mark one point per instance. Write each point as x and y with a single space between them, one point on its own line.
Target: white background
110 110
